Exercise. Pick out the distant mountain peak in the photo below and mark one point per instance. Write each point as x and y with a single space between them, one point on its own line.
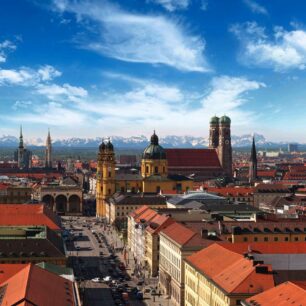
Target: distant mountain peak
141 141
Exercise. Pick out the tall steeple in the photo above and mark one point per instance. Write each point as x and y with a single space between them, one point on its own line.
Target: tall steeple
21 138
253 163
48 152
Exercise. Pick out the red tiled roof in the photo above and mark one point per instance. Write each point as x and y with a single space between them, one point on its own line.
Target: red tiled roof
267 248
199 158
158 223
28 214
8 270
231 191
139 211
178 233
230 271
266 173
287 293
37 286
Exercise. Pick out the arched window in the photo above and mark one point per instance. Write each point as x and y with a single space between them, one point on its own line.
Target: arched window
164 170
109 191
155 169
147 169
109 174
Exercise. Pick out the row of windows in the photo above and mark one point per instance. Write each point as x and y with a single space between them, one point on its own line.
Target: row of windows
255 239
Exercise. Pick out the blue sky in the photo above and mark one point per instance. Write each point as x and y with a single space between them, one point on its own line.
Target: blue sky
98 68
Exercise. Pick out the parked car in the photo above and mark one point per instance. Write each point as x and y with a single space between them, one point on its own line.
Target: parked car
96 280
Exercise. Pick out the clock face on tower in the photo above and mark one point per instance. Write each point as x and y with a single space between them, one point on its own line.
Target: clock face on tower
227 141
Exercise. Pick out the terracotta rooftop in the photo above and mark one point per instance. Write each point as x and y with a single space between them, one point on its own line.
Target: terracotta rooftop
199 158
231 271
33 285
28 214
184 236
158 223
266 248
231 191
287 293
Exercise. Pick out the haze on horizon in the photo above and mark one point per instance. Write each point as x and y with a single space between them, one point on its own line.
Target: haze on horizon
99 68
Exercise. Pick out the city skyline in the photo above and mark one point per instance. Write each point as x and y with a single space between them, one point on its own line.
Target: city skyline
96 68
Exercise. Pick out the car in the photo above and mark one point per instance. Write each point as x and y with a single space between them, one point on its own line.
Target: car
96 280
107 278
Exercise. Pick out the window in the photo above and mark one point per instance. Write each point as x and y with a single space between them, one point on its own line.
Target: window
275 238
245 239
156 170
157 189
255 238
109 174
286 239
296 238
266 239
147 169
109 191
164 169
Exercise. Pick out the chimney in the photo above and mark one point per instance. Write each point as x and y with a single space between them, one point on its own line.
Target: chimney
204 233
261 269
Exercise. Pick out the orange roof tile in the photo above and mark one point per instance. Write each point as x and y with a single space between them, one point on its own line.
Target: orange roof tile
230 271
267 248
37 286
178 233
8 270
287 293
158 223
28 214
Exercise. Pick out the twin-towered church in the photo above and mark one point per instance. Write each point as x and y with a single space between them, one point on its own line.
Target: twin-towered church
166 169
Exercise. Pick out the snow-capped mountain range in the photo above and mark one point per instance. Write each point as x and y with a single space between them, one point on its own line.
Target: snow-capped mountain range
138 141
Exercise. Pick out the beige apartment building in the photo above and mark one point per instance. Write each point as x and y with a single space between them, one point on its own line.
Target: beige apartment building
176 243
216 276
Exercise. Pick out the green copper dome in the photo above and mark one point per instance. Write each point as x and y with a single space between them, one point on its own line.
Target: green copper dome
154 150
214 120
225 120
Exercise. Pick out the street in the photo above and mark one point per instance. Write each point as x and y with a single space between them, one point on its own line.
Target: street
91 255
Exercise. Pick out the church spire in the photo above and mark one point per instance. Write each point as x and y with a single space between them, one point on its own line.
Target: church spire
48 153
253 163
21 138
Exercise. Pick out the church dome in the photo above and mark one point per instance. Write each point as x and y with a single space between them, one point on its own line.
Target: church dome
154 150
214 120
225 120
102 146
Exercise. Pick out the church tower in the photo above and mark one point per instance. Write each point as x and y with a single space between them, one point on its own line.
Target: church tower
253 163
48 152
106 185
225 146
20 154
214 133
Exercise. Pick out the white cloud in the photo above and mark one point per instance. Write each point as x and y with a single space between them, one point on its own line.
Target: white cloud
52 114
286 50
48 73
25 76
20 104
56 92
5 47
173 5
139 38
169 108
256 7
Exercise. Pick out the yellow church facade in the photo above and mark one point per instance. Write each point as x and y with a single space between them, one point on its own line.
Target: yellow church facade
153 176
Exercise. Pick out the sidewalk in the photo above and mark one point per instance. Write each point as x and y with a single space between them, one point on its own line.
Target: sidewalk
130 268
